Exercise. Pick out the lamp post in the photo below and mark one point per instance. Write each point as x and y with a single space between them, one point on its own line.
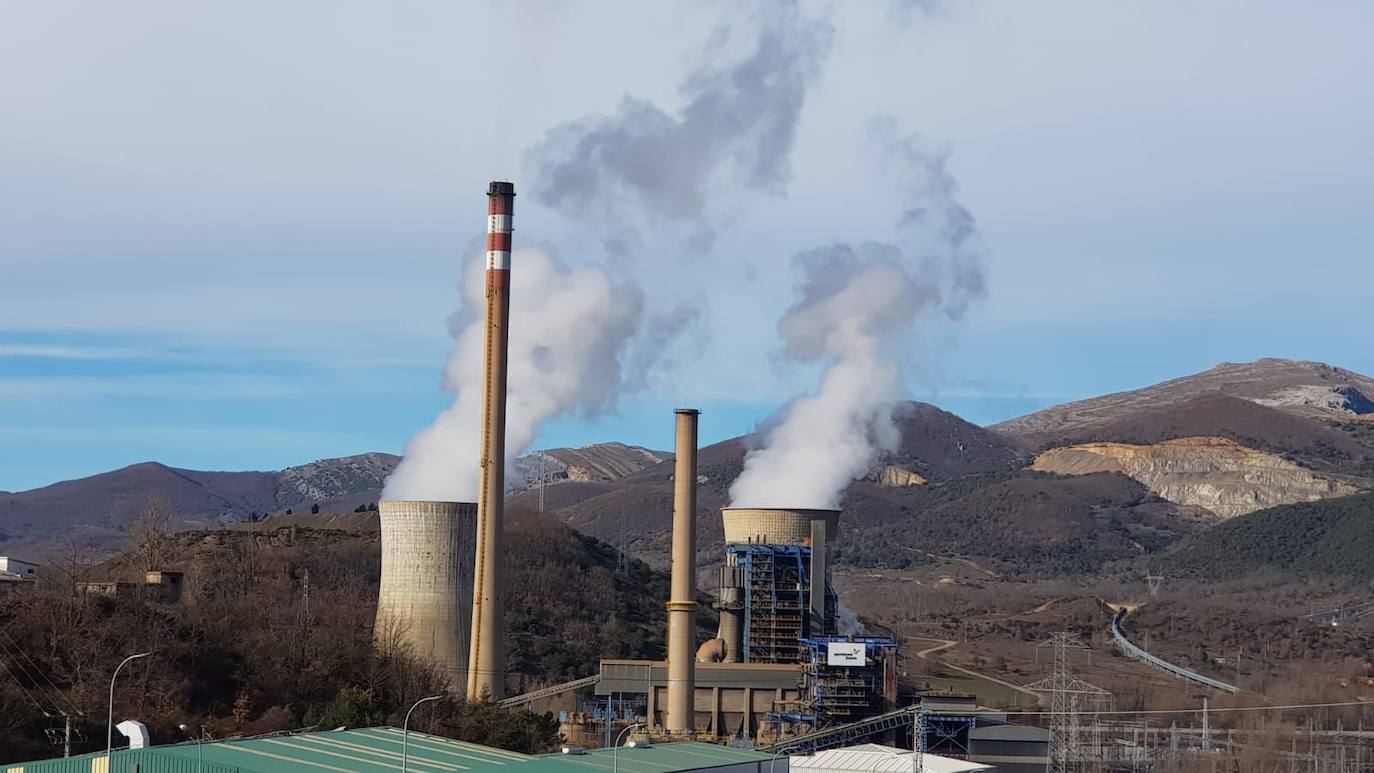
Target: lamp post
200 759
784 750
405 732
615 750
109 720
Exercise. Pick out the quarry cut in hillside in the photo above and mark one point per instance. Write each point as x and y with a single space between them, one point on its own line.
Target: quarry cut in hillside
1218 474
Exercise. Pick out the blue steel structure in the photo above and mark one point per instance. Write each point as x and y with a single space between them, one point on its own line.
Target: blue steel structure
777 600
835 694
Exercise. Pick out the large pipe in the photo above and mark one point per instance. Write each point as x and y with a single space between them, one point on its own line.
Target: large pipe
819 569
486 671
731 605
424 603
682 605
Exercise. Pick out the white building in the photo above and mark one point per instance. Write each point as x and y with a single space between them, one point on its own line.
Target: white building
876 758
16 575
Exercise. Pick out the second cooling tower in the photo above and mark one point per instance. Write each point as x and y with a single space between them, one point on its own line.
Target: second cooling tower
425 600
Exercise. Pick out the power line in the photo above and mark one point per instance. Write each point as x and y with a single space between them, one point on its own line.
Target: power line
43 674
28 694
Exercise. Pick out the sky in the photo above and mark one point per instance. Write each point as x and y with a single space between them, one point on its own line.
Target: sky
232 235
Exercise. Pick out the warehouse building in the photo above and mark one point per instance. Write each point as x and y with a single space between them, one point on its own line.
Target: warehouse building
380 749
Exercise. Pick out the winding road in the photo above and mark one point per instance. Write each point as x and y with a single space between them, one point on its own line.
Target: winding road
944 644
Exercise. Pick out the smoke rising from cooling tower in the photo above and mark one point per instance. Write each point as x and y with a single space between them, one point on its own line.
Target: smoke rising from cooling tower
571 329
854 307
736 128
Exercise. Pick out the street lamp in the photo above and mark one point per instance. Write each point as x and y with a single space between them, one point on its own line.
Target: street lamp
615 751
405 732
200 759
109 721
784 750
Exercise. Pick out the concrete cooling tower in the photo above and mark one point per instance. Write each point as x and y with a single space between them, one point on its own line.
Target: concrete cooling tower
425 601
778 526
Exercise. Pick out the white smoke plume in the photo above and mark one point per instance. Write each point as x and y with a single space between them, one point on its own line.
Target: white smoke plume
737 128
854 307
569 330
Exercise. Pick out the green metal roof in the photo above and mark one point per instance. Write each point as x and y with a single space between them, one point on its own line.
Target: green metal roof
378 750
658 758
345 751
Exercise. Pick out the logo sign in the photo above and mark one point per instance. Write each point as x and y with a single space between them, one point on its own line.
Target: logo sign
844 653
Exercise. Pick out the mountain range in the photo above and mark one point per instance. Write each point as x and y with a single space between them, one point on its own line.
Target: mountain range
1072 488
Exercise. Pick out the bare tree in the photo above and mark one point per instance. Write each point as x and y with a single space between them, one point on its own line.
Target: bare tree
151 533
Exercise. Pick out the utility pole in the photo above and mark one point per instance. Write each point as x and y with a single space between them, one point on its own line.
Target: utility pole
1206 727
67 735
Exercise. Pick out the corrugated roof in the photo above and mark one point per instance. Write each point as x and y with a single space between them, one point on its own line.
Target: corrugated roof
872 757
658 758
378 750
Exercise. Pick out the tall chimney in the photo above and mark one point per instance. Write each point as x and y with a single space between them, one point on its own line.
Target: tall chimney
486 663
682 605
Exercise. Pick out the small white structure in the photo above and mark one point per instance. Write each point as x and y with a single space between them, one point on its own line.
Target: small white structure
21 568
16 575
135 731
871 757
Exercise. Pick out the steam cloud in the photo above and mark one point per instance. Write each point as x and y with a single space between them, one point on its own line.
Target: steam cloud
565 357
575 328
855 304
739 123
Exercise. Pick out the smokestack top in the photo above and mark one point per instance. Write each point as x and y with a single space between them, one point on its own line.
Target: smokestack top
689 411
500 188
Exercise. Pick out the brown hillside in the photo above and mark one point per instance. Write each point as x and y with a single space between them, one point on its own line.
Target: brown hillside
1312 442
1296 387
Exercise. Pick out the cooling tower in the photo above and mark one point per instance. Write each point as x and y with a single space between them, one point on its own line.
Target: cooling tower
425 601
487 662
682 605
777 526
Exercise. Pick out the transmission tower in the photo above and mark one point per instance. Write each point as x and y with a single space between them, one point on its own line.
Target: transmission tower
1154 580
543 476
1067 695
918 740
622 556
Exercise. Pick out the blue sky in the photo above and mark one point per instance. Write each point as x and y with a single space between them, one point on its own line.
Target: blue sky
231 235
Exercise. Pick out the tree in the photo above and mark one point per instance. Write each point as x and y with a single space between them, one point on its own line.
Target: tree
151 533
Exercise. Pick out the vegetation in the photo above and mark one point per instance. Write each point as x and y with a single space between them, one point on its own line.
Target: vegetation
1332 537
1023 524
274 632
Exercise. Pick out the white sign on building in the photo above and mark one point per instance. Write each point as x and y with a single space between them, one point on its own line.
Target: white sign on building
845 653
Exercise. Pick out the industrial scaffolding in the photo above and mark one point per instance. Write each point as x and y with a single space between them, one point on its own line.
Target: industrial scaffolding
776 600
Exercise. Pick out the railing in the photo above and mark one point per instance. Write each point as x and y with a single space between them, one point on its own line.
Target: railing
1133 651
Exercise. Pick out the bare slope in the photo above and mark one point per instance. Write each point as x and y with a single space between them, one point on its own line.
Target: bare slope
1295 387
935 444
1216 473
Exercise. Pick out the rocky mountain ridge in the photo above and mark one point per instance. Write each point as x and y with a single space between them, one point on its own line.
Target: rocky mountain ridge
1297 387
94 512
